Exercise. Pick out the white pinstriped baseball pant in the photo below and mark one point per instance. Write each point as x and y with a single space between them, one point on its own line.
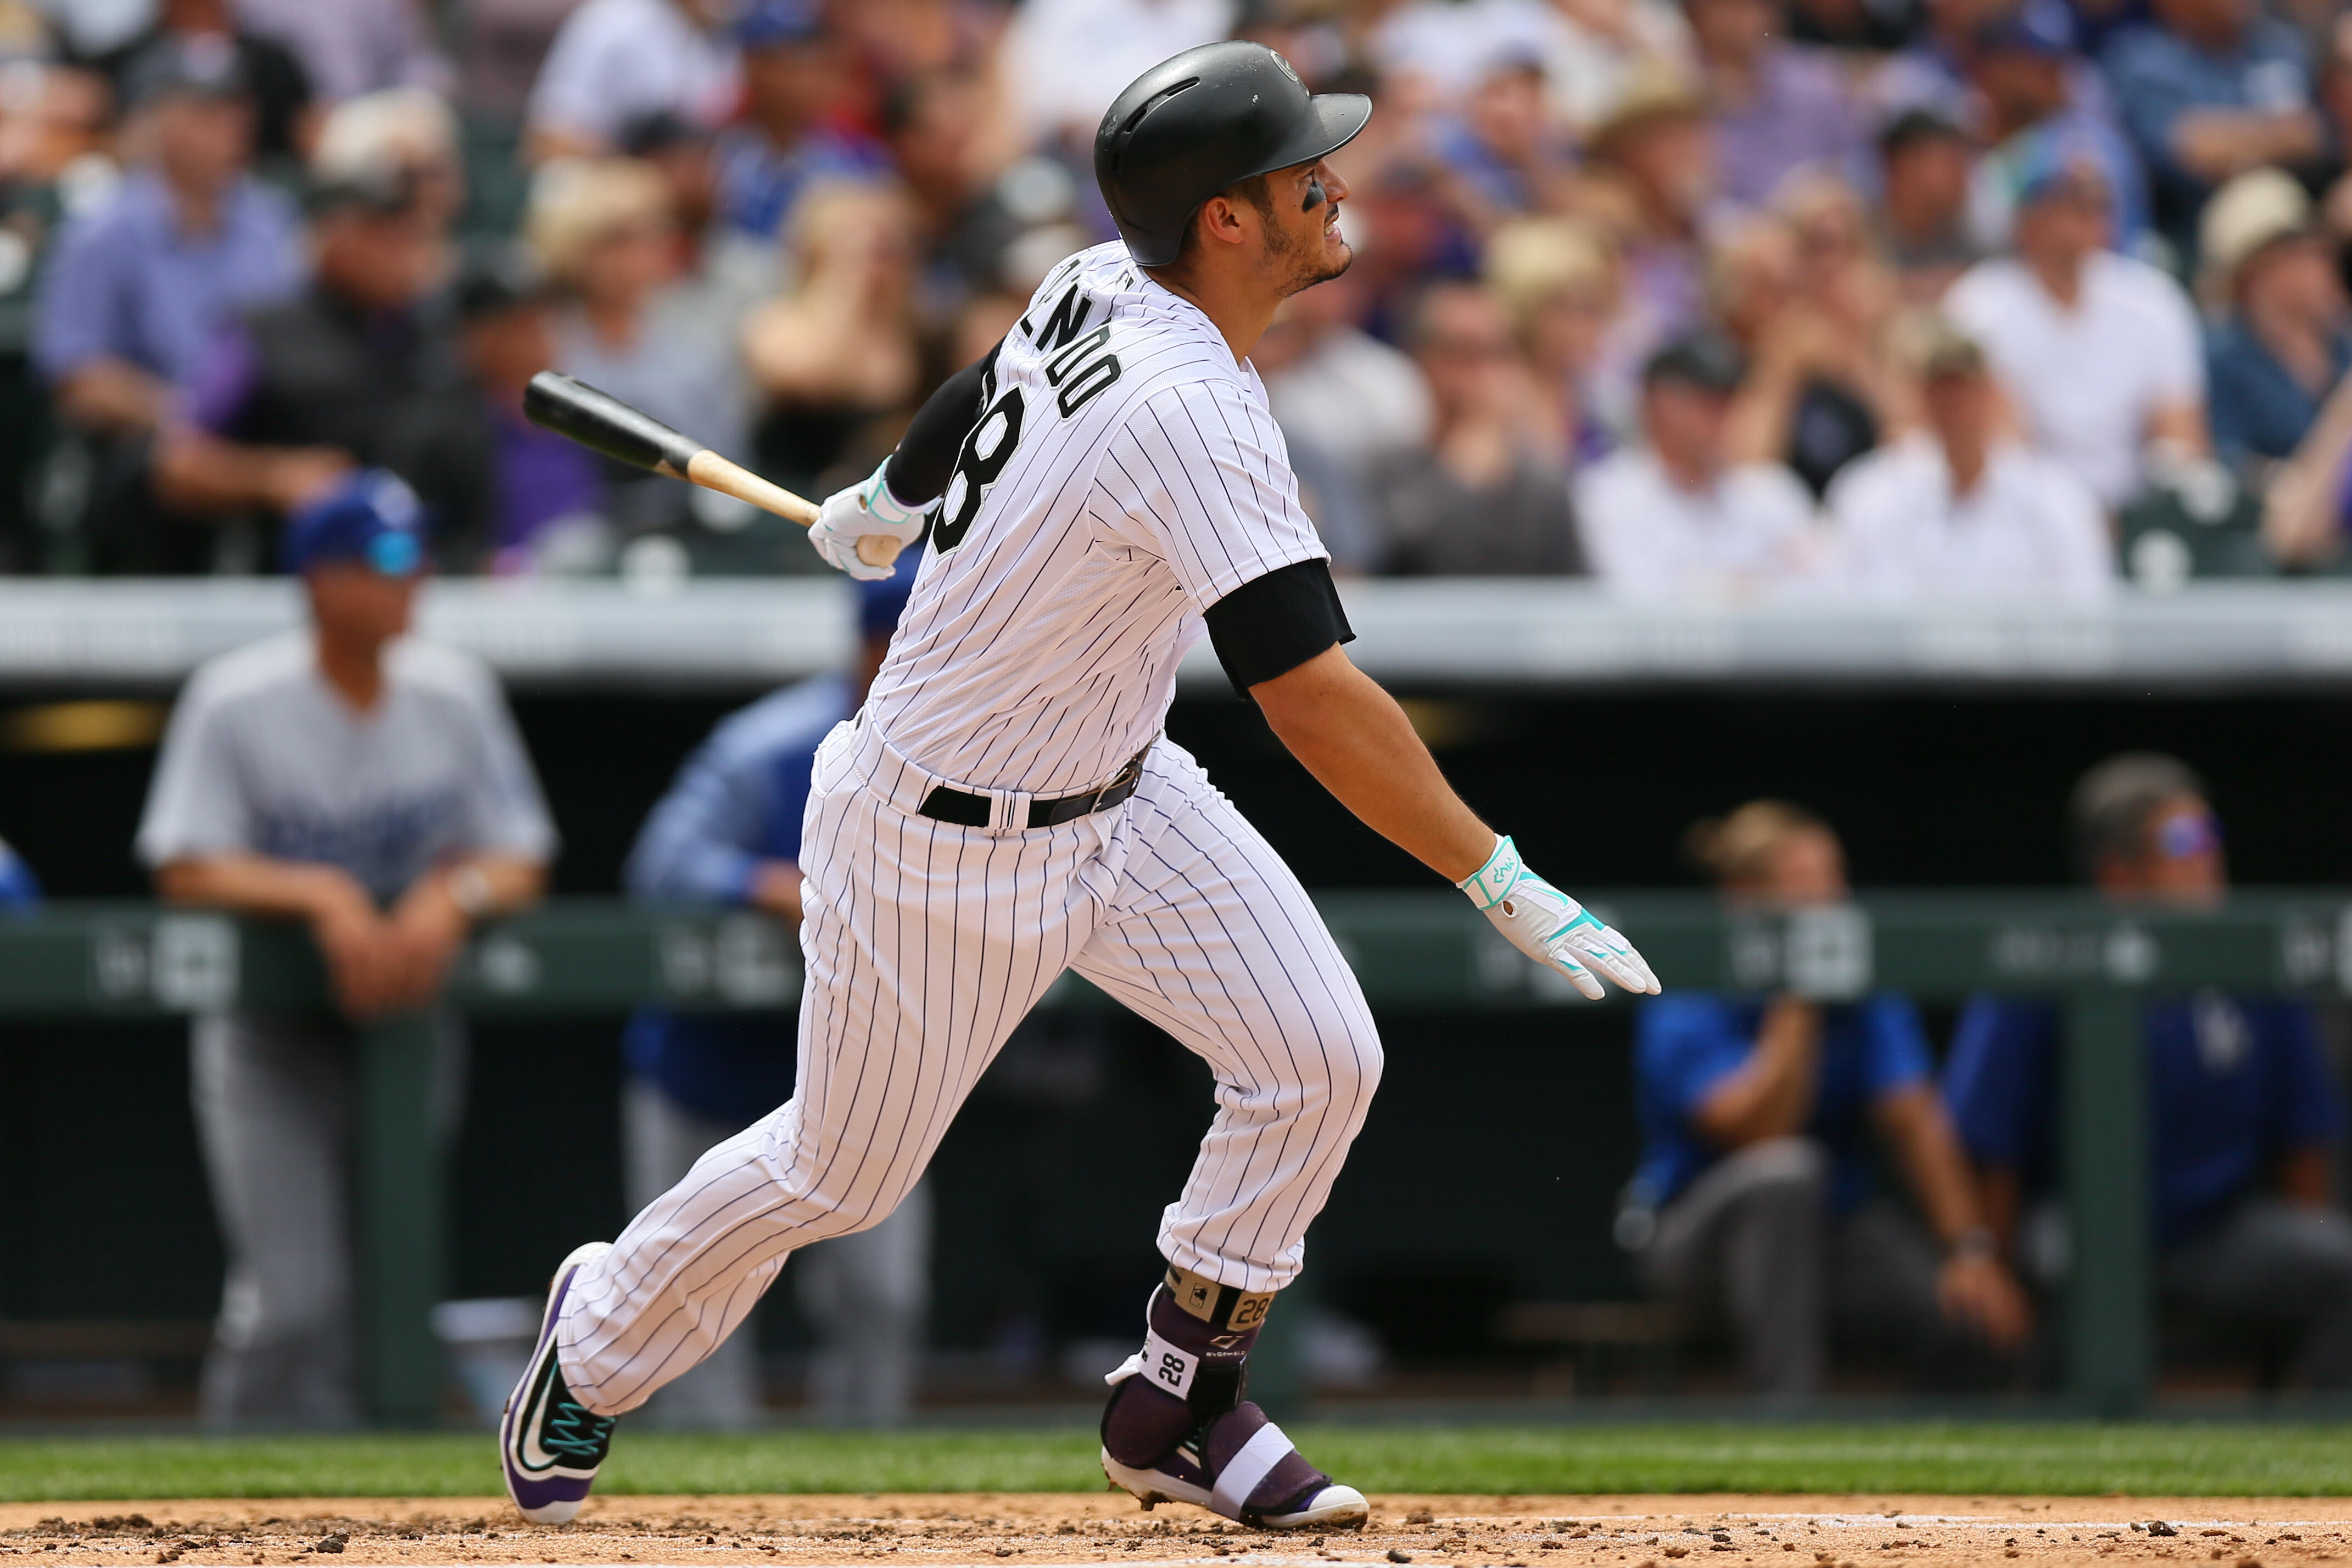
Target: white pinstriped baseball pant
926 943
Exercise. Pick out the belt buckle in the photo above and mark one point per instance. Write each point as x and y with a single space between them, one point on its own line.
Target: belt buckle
1127 775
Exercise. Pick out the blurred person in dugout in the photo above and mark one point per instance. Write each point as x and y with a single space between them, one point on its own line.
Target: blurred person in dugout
1753 1202
729 832
2243 1115
20 890
371 786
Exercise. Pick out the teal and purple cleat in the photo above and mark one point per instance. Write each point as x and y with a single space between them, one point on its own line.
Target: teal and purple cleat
549 1443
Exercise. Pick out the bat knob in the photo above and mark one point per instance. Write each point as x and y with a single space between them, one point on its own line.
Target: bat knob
878 549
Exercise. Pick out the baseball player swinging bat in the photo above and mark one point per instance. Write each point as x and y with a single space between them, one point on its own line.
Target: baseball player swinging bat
1102 490
602 422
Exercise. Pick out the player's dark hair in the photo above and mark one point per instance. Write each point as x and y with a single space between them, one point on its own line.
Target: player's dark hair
1738 846
2113 803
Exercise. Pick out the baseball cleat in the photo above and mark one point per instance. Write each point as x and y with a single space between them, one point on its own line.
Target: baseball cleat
549 1443
1180 1477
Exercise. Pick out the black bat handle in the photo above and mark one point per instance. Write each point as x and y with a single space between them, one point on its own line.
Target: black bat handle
602 422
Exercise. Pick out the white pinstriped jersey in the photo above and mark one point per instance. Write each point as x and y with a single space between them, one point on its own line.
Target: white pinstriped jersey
1125 474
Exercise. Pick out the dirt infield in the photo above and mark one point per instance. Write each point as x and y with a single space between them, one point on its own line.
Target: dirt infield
953 1532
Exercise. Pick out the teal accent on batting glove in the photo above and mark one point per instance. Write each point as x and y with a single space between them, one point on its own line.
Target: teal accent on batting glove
880 503
1492 882
1583 917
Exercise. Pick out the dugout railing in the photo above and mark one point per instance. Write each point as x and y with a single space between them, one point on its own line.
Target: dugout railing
1421 952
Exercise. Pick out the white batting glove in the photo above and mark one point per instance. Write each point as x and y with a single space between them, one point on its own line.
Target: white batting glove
863 509
1551 927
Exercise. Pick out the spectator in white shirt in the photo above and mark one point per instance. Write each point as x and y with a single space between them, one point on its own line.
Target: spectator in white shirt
1674 522
2099 353
1345 401
1069 57
1589 49
351 46
1336 387
1961 511
615 62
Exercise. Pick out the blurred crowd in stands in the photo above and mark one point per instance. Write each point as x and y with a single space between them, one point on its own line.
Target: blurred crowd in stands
1718 301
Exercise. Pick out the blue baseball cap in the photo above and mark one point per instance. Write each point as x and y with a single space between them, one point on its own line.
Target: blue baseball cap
371 517
770 24
2055 161
883 601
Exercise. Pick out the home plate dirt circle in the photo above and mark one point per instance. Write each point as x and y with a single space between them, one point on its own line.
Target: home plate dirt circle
1001 1530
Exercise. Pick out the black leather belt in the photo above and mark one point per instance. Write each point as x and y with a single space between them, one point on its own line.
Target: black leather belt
966 810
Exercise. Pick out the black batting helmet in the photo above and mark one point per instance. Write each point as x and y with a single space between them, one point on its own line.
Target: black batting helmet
1197 121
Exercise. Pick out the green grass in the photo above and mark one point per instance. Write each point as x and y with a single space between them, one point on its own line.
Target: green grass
2200 1459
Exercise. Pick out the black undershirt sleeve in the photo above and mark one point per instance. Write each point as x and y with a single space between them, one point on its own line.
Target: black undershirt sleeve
918 470
1272 624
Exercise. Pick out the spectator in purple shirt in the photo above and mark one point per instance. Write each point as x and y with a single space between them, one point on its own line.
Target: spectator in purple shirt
138 286
547 495
135 290
1777 106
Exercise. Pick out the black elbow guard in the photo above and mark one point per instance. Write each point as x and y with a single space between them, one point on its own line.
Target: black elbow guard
1272 624
919 469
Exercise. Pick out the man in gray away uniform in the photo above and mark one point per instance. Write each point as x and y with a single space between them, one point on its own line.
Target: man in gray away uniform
371 786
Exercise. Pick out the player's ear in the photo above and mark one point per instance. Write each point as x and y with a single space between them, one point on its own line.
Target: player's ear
1221 220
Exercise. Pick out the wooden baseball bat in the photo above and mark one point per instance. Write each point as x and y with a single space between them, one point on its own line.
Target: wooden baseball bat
602 422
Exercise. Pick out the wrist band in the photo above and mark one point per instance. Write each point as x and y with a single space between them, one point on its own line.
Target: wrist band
881 502
1491 883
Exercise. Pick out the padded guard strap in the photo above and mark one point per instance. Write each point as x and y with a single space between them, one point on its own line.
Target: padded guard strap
1268 1447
